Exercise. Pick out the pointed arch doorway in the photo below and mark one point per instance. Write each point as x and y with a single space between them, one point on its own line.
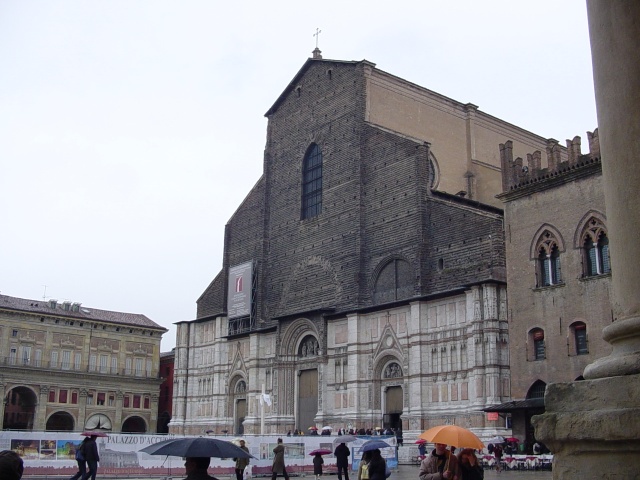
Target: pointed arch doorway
307 398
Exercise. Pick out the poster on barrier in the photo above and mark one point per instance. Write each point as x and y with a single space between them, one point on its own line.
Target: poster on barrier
53 453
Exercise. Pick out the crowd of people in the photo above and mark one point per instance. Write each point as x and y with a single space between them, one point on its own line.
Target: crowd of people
350 431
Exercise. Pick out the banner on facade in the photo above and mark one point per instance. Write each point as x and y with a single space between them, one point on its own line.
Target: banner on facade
239 290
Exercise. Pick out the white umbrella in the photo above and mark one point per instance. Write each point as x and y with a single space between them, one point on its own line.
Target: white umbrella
497 439
327 428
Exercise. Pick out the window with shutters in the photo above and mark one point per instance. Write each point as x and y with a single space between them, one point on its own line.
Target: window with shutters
577 340
537 349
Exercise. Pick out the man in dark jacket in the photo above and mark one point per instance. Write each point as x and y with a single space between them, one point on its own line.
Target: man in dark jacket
278 467
92 458
342 453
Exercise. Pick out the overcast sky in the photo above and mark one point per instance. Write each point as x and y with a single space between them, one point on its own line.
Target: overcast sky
130 131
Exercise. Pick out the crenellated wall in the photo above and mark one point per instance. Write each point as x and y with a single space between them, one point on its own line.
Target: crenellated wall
516 173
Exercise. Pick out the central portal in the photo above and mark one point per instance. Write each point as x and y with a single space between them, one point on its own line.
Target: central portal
307 398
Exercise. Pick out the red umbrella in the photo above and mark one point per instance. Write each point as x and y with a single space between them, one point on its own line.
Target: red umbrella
92 433
420 441
320 451
512 439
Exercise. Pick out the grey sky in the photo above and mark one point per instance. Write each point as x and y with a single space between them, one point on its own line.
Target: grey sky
131 130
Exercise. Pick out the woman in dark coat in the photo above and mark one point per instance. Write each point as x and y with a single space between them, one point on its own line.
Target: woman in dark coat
377 466
317 465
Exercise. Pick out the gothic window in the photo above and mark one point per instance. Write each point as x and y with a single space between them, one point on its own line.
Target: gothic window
595 245
308 347
536 340
392 370
548 267
312 182
578 332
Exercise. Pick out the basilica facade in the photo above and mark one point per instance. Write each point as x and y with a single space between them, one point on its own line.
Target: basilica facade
363 281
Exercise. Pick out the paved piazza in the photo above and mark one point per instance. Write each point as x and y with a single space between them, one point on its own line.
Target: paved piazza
405 472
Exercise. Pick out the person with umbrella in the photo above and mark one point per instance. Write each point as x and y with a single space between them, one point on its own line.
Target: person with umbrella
196 468
241 463
439 464
317 465
91 456
80 460
342 453
278 466
377 466
363 469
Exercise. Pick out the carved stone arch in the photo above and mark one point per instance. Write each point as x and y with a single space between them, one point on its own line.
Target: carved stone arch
392 279
237 378
292 337
546 237
235 390
592 224
306 279
385 360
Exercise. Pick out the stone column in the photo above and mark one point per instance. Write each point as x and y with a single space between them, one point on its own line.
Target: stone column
614 27
592 426
117 421
82 410
3 392
41 409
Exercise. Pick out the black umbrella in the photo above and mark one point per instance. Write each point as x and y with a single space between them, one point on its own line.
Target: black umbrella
196 447
373 445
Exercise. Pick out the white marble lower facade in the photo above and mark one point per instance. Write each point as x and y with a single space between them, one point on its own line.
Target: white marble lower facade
449 358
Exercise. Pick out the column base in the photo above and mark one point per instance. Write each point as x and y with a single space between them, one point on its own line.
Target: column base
592 428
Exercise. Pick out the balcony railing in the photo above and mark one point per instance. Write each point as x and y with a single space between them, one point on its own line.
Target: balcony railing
73 367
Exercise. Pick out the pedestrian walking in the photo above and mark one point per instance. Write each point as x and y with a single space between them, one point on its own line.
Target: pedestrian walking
80 460
91 456
378 469
342 453
317 465
278 467
439 464
241 463
196 468
468 466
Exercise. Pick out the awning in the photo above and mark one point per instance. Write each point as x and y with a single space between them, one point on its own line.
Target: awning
529 403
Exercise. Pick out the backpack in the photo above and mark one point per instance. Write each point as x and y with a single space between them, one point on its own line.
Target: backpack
80 453
364 472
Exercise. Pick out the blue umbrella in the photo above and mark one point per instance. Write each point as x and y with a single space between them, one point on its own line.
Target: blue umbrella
196 447
373 444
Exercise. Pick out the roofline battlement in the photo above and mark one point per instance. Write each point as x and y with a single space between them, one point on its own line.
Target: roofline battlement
516 174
